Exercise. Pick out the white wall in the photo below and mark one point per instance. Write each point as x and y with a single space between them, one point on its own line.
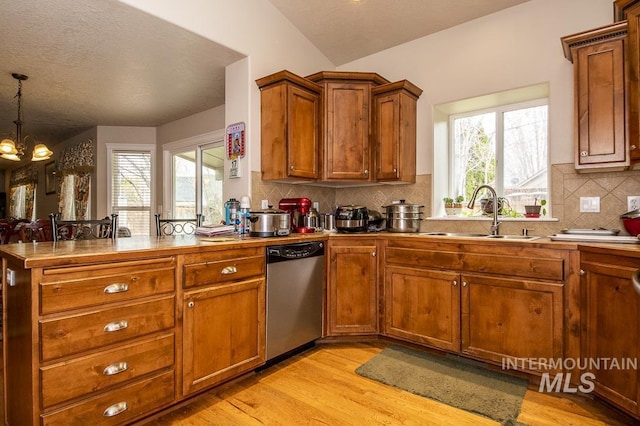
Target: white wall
259 31
516 47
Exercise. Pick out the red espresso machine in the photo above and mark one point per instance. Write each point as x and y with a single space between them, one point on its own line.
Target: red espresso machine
298 209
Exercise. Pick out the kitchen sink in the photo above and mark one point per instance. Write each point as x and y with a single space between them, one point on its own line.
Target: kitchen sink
514 237
454 234
471 235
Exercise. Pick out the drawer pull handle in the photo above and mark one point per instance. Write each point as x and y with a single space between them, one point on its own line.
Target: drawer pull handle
115 409
228 270
116 288
116 368
116 325
635 280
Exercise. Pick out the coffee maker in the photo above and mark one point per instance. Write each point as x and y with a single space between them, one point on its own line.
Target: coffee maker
298 209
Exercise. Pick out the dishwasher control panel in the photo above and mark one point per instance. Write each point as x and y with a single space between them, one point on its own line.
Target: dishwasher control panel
294 251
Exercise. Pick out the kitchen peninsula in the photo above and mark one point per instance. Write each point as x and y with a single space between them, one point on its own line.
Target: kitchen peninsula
141 324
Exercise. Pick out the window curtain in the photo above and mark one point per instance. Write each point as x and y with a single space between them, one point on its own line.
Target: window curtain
22 190
77 164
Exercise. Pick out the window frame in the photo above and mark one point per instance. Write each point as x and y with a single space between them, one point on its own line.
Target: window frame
146 148
195 143
499 112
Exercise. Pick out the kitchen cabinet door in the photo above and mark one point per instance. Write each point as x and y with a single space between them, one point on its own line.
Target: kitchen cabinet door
511 318
394 134
601 138
223 333
632 15
611 324
347 153
423 306
346 110
352 296
289 113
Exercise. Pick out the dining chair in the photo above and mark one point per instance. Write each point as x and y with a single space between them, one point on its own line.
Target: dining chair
87 229
166 227
38 230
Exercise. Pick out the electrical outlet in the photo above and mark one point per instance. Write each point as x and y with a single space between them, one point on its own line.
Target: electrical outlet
265 204
589 204
633 202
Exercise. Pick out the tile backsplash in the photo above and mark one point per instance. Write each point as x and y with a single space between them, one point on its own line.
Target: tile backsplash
567 187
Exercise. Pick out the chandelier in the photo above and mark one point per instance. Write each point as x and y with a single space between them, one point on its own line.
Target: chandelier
14 150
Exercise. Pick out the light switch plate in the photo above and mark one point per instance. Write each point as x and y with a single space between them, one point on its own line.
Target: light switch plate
589 204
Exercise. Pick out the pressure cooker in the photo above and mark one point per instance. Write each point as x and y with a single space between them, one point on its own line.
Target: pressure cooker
269 223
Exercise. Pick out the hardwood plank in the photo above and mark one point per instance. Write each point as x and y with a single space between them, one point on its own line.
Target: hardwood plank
320 386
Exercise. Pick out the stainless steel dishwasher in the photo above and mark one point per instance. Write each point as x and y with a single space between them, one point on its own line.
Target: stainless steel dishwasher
295 277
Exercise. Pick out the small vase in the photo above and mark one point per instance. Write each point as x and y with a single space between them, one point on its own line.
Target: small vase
452 211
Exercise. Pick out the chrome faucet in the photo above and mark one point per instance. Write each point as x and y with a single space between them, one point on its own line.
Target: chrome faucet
496 224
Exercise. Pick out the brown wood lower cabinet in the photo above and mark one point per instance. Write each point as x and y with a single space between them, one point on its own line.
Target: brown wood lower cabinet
223 332
352 295
423 306
485 302
503 317
611 324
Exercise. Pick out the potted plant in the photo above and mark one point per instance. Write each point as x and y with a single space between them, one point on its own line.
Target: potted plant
458 202
452 208
533 210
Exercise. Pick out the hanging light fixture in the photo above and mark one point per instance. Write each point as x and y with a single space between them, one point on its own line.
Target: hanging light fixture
14 150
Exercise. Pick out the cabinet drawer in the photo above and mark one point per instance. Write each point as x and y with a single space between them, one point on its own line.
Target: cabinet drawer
77 333
220 267
104 369
525 265
71 288
118 406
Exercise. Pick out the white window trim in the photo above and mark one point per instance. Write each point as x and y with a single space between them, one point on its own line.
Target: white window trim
194 143
151 149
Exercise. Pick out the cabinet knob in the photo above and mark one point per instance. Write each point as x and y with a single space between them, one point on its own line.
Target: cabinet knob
395 170
454 282
582 272
584 154
366 172
464 283
374 254
292 168
633 147
115 409
191 304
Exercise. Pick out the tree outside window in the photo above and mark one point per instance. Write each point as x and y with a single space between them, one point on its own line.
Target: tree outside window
505 147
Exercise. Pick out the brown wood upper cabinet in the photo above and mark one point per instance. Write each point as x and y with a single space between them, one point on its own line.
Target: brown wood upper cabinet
629 10
346 129
394 132
362 128
290 118
601 138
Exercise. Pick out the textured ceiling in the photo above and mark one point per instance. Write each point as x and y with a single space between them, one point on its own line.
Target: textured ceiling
101 62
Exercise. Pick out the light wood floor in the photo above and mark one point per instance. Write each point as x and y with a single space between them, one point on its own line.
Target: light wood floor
320 387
